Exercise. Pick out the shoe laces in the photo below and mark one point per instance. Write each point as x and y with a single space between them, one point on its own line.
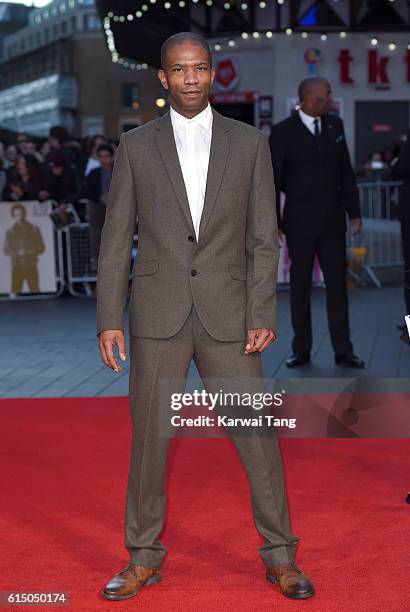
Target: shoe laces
281 569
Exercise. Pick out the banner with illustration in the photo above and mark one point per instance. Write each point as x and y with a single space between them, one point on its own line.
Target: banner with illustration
27 248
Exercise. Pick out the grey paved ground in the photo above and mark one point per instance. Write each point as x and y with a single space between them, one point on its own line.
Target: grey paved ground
49 349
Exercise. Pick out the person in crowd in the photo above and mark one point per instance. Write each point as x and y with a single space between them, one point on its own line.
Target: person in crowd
376 169
312 167
91 161
3 179
96 190
61 182
11 156
45 149
26 180
31 149
59 140
5 163
401 171
3 168
388 155
21 142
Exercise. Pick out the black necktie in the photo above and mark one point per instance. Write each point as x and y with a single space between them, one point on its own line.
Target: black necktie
317 131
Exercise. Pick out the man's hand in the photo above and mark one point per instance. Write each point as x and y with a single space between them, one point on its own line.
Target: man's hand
259 340
355 226
281 238
107 340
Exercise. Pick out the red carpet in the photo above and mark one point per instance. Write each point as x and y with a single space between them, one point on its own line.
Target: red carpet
62 496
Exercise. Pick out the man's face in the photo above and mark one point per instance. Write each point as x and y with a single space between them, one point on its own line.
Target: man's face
105 158
188 77
24 147
31 148
318 100
18 214
11 152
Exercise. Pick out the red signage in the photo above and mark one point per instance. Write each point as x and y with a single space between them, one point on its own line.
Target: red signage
225 73
381 127
377 67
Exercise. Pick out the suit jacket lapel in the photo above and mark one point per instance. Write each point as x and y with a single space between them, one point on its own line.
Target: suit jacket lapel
169 154
217 161
304 129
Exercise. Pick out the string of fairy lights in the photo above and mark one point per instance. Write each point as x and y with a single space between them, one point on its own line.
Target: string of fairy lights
227 43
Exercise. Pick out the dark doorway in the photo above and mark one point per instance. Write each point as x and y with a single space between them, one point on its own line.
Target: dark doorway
243 111
379 125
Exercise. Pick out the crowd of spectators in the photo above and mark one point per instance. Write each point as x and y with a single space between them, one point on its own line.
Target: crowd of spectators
68 172
56 168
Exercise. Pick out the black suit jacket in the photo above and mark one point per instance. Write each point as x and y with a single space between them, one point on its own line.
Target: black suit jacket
401 170
92 188
319 182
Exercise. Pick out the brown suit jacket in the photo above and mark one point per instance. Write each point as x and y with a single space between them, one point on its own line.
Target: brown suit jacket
229 273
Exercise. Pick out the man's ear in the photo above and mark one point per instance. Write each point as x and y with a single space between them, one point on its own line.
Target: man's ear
162 77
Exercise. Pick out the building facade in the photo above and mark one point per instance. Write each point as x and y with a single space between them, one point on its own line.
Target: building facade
56 70
257 81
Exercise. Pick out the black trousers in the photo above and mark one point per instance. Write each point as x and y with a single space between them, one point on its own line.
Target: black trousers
331 251
405 242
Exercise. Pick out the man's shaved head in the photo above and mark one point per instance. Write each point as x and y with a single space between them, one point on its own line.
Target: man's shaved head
315 96
308 85
184 37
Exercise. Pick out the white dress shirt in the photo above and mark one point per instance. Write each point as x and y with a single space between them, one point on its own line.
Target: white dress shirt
193 142
308 120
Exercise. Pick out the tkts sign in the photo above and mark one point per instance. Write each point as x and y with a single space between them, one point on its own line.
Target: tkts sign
377 67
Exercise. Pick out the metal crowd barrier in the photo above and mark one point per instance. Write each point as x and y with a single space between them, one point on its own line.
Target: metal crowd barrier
379 243
79 273
81 278
377 246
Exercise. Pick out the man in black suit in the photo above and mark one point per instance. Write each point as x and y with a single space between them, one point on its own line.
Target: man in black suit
401 170
312 167
96 190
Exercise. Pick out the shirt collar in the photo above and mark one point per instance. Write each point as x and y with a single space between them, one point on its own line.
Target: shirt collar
204 118
308 118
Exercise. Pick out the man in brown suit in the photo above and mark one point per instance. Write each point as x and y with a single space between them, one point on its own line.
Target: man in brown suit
203 288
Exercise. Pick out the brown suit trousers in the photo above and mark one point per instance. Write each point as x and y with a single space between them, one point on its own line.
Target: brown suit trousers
153 360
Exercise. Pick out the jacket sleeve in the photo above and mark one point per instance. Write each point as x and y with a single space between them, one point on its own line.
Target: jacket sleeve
349 182
278 164
262 245
116 243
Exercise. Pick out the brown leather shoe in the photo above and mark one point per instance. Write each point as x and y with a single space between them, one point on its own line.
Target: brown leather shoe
292 582
127 583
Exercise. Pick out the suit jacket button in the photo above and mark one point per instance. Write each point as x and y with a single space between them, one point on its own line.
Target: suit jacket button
191 238
194 272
